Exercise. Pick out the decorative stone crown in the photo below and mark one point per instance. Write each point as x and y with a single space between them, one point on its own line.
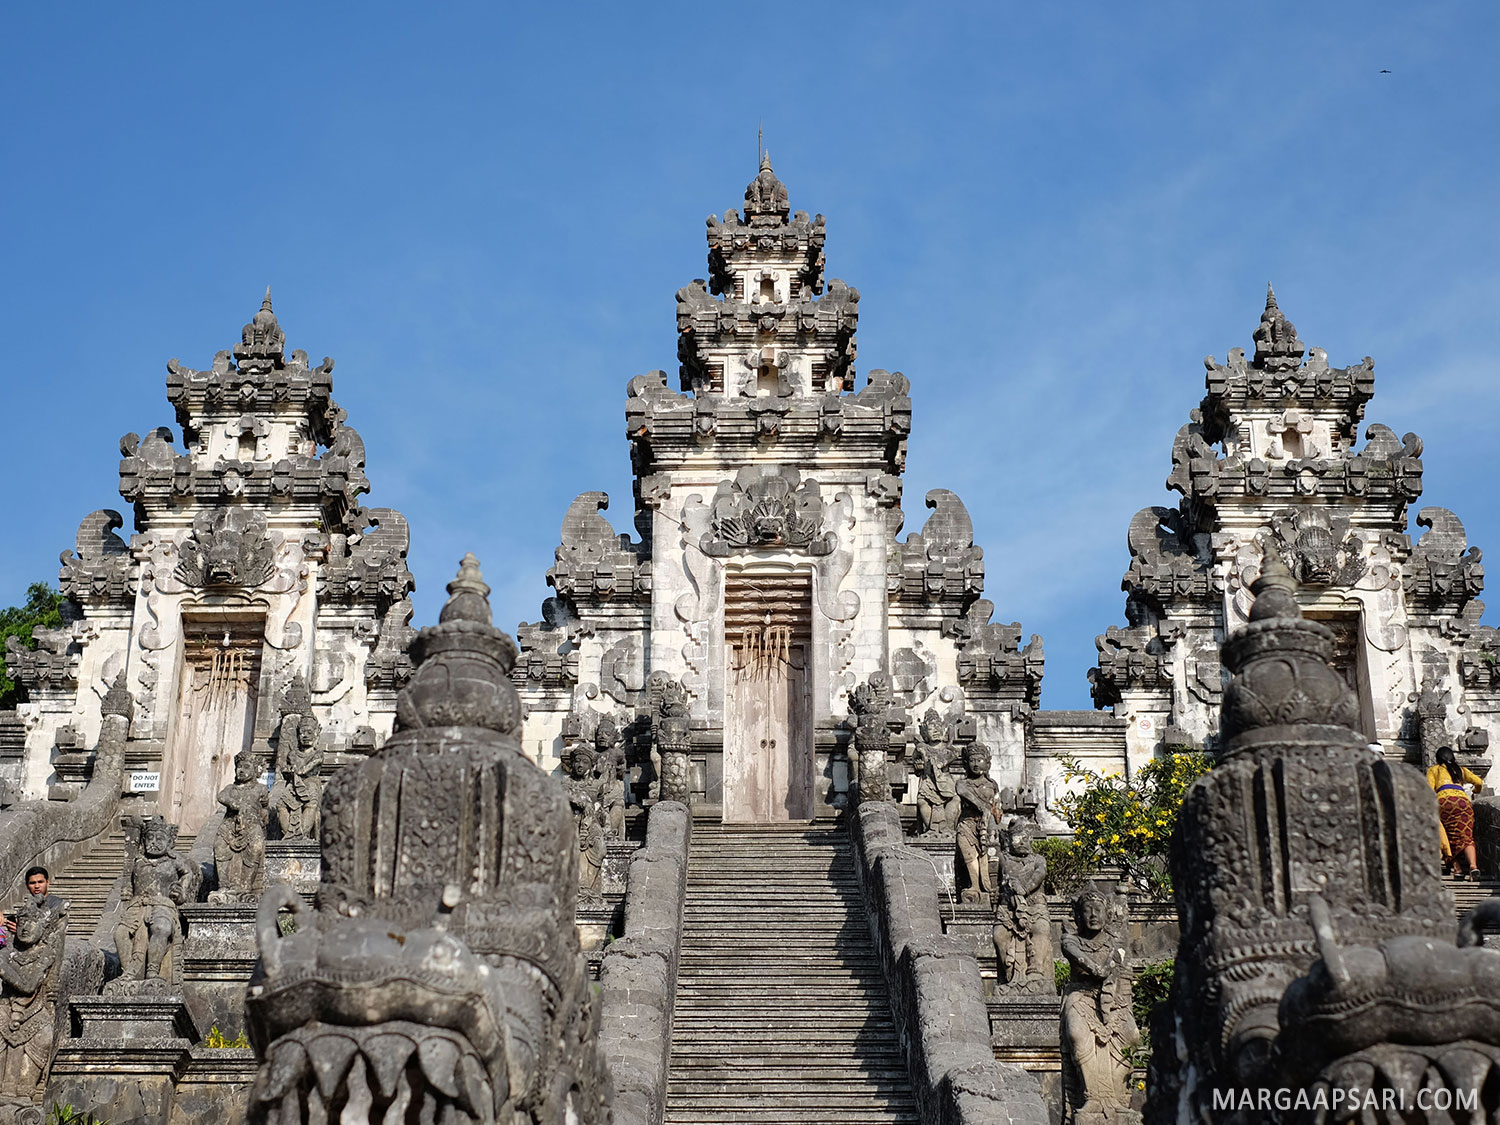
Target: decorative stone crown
465 662
1284 686
1277 347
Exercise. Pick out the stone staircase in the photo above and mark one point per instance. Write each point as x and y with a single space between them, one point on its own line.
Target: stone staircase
1467 894
782 1015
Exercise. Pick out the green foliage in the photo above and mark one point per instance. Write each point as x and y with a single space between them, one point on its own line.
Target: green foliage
43 609
217 1040
67 1115
1153 984
1130 822
1068 866
1062 973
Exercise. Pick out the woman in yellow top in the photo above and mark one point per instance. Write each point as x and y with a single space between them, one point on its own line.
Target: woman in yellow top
1455 809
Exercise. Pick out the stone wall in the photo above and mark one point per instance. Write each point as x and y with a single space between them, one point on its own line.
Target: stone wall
937 996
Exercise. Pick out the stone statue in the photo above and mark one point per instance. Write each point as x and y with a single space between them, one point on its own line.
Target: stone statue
29 972
240 845
1098 1028
937 791
441 978
1023 928
586 796
299 764
610 767
979 803
157 882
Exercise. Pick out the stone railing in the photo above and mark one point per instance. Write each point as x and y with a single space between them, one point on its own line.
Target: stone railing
638 976
937 996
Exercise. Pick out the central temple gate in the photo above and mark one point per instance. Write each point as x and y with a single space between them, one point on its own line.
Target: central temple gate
768 745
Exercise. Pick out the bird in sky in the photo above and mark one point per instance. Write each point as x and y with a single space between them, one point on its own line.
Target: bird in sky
1385 72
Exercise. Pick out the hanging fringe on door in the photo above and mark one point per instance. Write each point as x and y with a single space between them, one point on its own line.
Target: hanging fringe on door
765 650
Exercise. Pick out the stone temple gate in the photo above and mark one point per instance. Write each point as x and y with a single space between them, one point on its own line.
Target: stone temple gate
768 577
741 829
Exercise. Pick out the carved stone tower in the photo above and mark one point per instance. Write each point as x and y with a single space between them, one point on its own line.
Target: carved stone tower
768 579
253 572
1269 466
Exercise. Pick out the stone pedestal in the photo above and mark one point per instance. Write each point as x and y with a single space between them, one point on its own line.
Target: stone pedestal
123 1052
1024 1031
297 862
219 953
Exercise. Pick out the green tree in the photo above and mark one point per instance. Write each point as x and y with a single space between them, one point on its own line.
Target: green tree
42 610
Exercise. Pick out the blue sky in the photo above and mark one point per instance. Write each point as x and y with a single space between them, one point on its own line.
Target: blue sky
1052 213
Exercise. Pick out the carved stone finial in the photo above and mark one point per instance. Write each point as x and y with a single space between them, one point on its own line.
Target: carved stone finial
766 197
468 595
1277 347
464 678
262 341
1283 675
118 700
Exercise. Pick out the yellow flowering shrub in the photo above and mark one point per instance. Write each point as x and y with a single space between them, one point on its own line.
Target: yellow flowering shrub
1115 820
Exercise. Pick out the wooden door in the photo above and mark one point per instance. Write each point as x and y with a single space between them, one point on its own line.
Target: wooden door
215 719
768 746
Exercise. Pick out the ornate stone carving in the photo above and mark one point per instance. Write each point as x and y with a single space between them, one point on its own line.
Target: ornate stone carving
155 884
937 791
1166 565
227 547
240 845
876 718
672 737
441 976
1023 928
369 565
767 506
1276 345
593 562
1443 572
587 799
609 767
299 765
1297 807
991 661
1098 1028
941 562
1129 659
30 969
102 571
261 341
979 803
766 196
1318 547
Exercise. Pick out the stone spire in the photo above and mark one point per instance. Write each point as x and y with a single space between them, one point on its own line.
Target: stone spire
766 197
1277 347
261 341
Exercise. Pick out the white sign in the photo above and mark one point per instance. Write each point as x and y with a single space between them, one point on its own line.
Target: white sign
145 782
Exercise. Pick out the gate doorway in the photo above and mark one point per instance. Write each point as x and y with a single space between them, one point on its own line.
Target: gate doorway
768 744
215 717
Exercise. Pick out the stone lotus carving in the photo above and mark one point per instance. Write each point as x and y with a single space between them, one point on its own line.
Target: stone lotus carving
155 884
29 973
227 547
440 978
767 506
240 844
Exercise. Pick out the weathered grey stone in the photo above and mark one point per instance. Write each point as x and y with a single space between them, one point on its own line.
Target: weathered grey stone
155 885
442 969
